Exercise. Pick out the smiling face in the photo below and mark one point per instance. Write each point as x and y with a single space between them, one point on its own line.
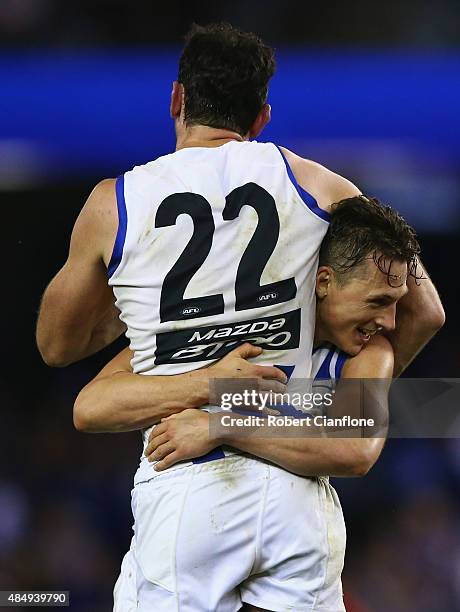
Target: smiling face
351 309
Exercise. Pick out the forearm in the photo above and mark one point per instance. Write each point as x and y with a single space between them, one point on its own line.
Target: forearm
126 402
419 316
315 456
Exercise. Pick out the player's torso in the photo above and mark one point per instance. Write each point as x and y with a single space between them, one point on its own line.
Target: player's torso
216 247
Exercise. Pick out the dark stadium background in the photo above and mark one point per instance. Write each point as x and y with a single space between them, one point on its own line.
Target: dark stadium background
372 90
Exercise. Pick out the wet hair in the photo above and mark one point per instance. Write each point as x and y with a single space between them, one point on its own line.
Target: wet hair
225 74
363 228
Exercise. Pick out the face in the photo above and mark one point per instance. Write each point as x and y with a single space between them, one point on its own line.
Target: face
349 314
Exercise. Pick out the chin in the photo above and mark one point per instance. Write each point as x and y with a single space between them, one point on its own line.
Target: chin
353 350
348 346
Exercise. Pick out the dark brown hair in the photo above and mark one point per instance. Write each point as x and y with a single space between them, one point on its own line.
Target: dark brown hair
362 227
225 74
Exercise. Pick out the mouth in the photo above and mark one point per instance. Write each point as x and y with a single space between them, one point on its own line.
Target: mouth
366 334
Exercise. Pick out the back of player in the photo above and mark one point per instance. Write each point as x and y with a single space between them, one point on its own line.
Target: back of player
215 247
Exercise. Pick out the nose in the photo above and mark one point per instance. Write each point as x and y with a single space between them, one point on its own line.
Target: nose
387 318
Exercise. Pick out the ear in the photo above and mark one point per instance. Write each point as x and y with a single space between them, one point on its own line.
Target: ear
261 121
177 96
323 280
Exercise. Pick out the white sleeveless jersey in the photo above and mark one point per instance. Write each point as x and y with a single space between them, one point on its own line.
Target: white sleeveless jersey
216 247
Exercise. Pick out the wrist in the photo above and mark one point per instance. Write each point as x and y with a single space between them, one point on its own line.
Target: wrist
198 383
214 429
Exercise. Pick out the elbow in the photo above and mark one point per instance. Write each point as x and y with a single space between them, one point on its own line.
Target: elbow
360 461
53 355
360 468
434 317
81 420
55 360
431 323
438 318
56 350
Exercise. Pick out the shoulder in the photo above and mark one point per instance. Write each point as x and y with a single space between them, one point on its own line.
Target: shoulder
102 197
323 184
375 360
97 223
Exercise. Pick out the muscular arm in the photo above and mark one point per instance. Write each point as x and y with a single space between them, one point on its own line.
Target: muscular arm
77 314
188 436
117 400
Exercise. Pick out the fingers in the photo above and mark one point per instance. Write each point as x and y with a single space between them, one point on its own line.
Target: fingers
154 443
170 417
158 430
273 386
271 372
167 462
162 451
246 351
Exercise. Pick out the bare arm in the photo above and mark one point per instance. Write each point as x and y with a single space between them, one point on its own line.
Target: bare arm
77 314
330 456
118 400
325 186
419 316
189 433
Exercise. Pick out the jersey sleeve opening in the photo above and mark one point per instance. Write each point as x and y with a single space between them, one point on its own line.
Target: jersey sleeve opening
306 197
117 252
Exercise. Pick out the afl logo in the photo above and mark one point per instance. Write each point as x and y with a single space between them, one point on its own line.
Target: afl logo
191 310
266 297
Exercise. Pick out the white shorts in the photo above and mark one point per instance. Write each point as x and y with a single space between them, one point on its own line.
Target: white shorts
211 536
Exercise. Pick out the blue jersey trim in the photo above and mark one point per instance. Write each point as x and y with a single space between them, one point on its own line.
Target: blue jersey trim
216 453
323 372
307 198
117 252
341 359
286 369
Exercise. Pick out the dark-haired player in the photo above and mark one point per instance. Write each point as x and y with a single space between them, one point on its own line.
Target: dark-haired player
361 277
213 243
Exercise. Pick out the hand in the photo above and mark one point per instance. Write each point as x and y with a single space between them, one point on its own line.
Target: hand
234 374
179 437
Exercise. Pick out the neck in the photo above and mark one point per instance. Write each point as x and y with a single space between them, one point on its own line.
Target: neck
317 341
203 136
320 337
